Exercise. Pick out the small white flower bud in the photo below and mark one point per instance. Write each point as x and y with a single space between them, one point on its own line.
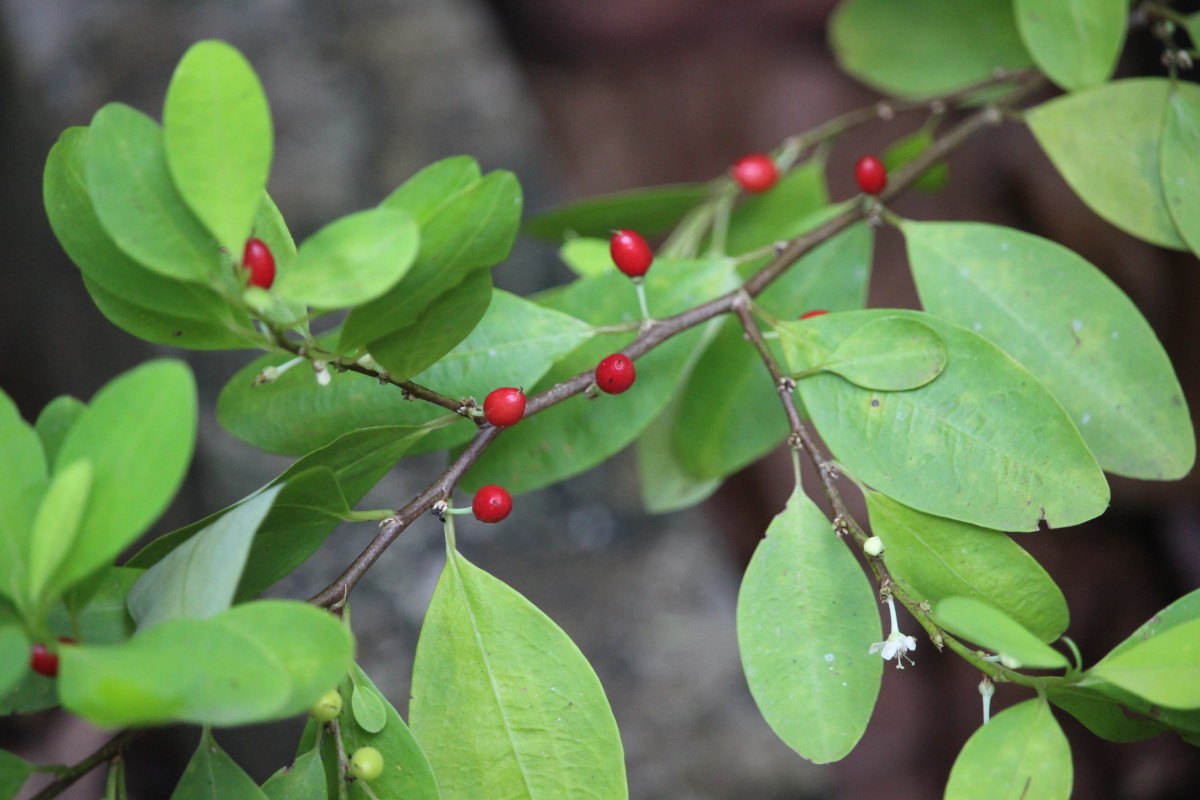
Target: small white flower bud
873 546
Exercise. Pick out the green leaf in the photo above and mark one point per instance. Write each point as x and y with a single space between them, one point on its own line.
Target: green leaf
472 230
1021 754
369 709
1162 668
55 420
513 345
102 616
14 771
56 525
985 443
351 261
1185 609
889 354
1075 42
1069 325
780 214
430 189
806 616
649 211
1180 171
197 580
934 558
1105 142
498 688
308 508
833 277
579 433
213 775
218 139
992 628
449 319
922 48
406 771
14 656
23 481
1102 715
586 257
304 780
136 200
666 484
255 662
138 433
906 149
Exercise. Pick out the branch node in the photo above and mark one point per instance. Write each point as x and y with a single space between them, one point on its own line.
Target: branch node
885 111
439 510
786 384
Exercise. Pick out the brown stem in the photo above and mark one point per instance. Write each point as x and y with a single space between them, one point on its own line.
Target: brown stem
107 751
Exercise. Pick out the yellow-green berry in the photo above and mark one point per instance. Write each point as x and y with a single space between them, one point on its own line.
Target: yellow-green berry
328 707
366 764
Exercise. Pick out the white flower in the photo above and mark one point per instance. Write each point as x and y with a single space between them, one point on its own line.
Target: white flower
897 645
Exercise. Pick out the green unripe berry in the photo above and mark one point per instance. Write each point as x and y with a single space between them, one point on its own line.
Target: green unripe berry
873 546
366 764
328 707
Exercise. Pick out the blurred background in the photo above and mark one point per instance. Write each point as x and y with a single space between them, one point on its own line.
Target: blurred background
576 98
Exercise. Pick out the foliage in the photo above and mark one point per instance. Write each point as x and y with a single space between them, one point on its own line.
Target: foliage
997 408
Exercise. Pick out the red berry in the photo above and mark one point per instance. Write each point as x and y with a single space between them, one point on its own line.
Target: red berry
504 407
755 172
816 312
491 504
43 662
871 174
258 260
630 253
615 373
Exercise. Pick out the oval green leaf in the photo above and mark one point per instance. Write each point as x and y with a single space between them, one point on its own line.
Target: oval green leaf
1105 142
23 467
212 775
368 708
1180 168
922 48
649 211
890 354
1075 42
1021 754
136 200
426 192
986 625
934 558
498 688
55 420
985 443
1069 325
1161 668
806 616
218 139
56 525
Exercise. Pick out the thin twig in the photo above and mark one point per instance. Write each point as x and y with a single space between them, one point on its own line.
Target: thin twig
106 752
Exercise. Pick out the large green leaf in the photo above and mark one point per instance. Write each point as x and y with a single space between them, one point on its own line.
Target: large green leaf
352 260
198 579
137 201
426 192
1162 668
255 662
23 481
1069 325
213 775
1180 168
1021 754
579 433
218 139
165 328
1075 42
934 558
513 345
504 703
1105 142
922 48
806 616
649 211
986 625
985 443
138 433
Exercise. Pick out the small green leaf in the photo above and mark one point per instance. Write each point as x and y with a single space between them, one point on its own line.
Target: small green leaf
1021 754
1180 171
497 687
138 433
889 354
922 48
218 139
1069 325
935 558
351 261
23 481
906 149
649 211
304 780
1162 668
55 420
14 771
137 201
198 579
1105 142
1103 716
14 657
806 616
213 775
986 625
1075 42
368 707
56 525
